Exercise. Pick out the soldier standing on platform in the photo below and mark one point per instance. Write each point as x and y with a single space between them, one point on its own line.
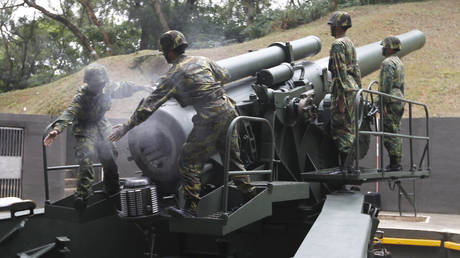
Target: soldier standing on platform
346 80
196 81
392 82
91 130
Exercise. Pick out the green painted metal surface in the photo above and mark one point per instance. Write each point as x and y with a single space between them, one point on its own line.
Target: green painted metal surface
341 230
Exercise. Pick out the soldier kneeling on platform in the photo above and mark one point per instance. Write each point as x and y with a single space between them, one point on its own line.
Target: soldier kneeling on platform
392 82
196 81
91 130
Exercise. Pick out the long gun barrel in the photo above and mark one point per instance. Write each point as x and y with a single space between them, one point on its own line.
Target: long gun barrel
277 53
369 59
370 56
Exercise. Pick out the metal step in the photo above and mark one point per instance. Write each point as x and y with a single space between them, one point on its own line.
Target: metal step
212 221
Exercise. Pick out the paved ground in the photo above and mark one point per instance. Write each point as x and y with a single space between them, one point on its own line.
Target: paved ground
442 225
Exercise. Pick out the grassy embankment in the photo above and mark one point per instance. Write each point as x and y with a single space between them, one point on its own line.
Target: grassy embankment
432 74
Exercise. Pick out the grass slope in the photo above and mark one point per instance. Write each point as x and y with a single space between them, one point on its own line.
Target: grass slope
432 74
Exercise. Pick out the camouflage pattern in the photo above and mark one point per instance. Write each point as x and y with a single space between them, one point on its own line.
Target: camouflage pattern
391 42
346 80
171 40
196 81
340 18
91 130
87 149
392 82
192 80
207 138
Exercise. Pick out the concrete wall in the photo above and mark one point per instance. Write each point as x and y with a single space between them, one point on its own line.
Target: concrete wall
32 168
439 193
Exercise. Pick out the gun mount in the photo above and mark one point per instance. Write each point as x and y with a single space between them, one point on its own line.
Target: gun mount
276 96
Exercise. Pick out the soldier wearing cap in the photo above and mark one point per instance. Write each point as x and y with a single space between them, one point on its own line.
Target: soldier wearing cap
392 82
195 81
91 129
346 80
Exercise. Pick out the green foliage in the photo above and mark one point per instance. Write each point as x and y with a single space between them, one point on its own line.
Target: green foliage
291 17
38 50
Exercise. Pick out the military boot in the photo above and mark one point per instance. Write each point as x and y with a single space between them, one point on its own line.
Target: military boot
394 164
189 210
344 168
80 203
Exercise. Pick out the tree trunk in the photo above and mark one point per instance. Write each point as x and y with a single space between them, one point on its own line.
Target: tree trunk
7 51
333 5
83 39
96 22
189 5
159 14
144 39
251 10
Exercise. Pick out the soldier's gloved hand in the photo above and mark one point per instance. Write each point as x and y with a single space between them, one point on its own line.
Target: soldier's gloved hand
119 131
49 139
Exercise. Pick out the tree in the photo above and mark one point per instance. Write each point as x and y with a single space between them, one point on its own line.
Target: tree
98 25
159 14
74 29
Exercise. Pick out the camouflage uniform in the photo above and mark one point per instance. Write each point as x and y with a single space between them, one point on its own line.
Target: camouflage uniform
346 80
91 130
194 80
392 82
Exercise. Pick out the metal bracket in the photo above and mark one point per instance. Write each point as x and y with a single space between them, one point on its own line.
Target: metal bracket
60 245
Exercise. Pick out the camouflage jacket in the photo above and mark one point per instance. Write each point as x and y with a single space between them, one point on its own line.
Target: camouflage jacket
343 66
392 78
192 80
87 111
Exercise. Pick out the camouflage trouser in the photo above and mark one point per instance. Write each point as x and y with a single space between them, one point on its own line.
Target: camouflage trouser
342 123
86 150
207 138
391 124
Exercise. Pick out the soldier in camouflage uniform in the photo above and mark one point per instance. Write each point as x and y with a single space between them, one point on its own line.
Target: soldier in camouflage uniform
392 82
196 81
91 130
346 80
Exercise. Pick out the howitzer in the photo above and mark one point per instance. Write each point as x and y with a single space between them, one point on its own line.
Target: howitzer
282 91
294 212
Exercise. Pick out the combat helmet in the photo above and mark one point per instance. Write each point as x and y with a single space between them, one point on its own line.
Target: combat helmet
340 18
94 70
171 40
391 42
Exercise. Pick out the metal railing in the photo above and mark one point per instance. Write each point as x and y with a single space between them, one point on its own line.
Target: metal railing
11 152
229 137
54 168
358 103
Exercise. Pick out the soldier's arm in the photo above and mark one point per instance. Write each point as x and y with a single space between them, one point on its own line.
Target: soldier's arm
337 64
70 114
386 79
149 105
221 73
126 89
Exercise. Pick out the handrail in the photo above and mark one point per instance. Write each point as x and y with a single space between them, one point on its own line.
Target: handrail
228 138
357 103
